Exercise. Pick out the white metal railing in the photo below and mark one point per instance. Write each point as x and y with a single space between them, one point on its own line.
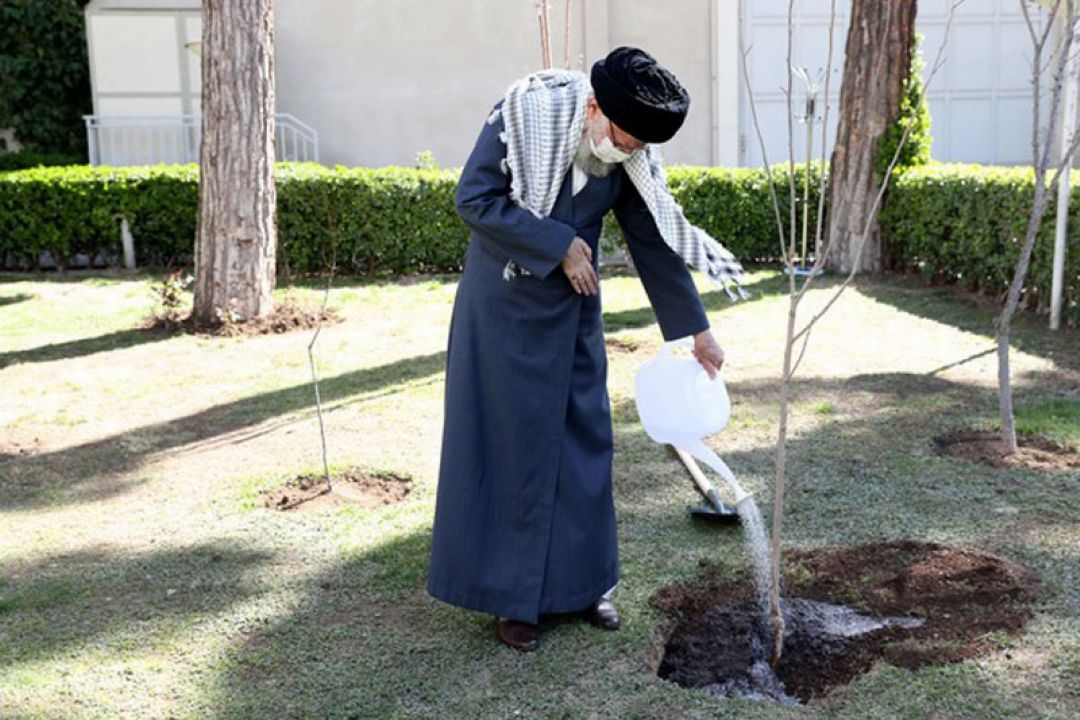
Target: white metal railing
146 140
296 140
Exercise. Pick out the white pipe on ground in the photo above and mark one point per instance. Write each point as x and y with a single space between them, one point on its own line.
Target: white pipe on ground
128 242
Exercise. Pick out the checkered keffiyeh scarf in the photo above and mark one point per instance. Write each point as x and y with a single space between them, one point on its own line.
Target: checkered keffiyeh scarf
543 117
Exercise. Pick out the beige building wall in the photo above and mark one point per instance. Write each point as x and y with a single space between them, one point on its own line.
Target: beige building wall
381 81
679 40
138 62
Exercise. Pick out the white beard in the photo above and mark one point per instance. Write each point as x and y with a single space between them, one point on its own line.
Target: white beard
588 162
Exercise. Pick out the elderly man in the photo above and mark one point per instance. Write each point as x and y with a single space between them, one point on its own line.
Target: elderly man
525 519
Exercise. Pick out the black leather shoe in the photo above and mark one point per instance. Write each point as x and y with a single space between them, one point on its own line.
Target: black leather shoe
603 615
518 635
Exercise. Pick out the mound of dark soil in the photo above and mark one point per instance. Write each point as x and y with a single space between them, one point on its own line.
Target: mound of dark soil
352 487
984 446
917 604
16 442
622 345
286 317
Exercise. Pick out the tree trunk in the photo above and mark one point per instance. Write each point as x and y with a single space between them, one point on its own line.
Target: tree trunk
878 60
237 226
776 548
1003 322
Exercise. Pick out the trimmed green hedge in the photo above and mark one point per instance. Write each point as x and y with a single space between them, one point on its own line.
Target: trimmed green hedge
75 209
22 159
382 220
965 224
390 220
45 86
951 222
733 205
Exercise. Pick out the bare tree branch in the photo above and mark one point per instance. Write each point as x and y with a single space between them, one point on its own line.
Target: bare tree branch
798 360
1049 25
818 261
1070 150
1041 160
1062 77
1028 23
795 296
764 153
781 447
969 358
1038 43
789 258
566 34
938 61
333 227
1057 87
543 16
819 256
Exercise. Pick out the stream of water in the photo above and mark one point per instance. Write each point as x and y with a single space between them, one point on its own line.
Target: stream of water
758 548
829 623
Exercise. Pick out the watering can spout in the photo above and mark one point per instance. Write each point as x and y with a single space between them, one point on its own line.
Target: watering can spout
698 449
680 405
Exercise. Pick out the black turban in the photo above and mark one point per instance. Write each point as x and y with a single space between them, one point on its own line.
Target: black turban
639 95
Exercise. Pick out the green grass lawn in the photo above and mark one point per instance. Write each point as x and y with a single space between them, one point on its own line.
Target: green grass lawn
140 577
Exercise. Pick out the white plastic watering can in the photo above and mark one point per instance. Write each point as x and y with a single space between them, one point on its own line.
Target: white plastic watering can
680 405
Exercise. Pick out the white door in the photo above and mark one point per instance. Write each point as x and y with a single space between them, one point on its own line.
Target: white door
980 98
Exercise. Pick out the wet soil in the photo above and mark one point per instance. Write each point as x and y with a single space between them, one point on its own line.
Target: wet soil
983 446
967 601
352 487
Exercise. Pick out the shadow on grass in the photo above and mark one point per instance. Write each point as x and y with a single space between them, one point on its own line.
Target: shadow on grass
77 275
714 301
367 641
318 281
87 346
975 314
313 281
871 471
16 298
88 471
95 598
339 653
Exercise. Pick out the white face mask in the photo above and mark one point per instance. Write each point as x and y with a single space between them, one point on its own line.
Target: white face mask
606 151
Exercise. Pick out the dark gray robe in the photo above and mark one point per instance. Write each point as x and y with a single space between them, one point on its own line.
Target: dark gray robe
524 518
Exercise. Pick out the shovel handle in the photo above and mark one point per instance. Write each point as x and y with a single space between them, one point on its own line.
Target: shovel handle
699 477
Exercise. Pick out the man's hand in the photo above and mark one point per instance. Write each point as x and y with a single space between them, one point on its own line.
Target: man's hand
578 268
708 353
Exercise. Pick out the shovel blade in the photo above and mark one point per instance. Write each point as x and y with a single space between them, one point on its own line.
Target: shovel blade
705 512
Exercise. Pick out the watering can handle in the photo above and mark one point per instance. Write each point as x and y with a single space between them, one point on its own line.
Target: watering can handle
684 342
